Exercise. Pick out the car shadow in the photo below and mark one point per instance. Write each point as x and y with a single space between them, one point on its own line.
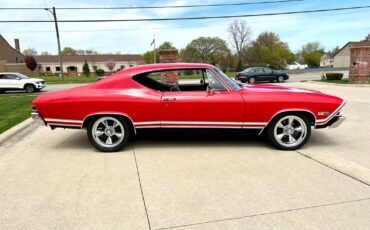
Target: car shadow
79 141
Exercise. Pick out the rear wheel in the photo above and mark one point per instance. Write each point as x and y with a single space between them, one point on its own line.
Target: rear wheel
252 80
108 134
289 131
30 88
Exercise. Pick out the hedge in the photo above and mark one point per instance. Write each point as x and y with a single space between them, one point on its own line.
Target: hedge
334 76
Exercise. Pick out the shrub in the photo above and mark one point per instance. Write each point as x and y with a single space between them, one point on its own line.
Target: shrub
30 62
99 72
334 76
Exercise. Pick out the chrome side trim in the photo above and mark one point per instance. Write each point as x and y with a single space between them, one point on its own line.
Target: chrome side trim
64 125
63 120
284 111
326 120
110 113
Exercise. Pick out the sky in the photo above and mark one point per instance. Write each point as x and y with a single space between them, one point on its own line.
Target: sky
331 29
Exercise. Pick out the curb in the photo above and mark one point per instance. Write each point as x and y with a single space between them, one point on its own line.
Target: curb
15 130
342 85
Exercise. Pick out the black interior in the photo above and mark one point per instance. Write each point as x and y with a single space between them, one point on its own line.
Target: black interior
145 80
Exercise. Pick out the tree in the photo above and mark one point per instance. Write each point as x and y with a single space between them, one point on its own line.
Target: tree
190 54
367 38
68 51
166 45
29 51
268 50
311 54
30 62
86 69
208 47
240 34
148 56
110 64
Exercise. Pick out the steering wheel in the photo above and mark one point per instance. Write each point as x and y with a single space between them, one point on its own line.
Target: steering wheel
175 87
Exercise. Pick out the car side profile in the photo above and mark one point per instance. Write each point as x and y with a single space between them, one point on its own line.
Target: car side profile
138 98
258 74
18 81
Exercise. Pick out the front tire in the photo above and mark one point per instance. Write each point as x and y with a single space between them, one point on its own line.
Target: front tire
289 131
30 88
108 134
280 79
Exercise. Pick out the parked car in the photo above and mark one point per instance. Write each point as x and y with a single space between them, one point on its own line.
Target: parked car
18 81
296 65
255 74
115 108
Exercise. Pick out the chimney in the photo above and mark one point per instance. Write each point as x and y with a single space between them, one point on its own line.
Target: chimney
16 42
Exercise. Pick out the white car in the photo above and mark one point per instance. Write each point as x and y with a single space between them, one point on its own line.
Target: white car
296 65
18 81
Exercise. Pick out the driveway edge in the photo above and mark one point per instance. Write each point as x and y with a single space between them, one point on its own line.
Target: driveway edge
14 130
342 85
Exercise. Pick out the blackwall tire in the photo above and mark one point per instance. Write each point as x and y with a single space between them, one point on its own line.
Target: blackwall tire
281 79
30 88
108 133
252 80
289 131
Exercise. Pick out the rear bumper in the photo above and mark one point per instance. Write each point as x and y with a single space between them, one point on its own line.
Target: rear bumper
36 117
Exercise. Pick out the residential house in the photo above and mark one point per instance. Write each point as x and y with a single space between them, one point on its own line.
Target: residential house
327 60
343 57
73 64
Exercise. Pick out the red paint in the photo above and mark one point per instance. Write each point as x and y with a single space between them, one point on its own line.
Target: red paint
120 94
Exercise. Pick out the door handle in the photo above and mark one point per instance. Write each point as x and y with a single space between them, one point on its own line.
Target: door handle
169 99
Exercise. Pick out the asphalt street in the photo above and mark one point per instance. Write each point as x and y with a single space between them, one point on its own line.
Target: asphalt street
57 180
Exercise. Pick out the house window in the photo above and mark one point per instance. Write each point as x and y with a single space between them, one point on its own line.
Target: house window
16 59
122 66
47 68
95 68
57 68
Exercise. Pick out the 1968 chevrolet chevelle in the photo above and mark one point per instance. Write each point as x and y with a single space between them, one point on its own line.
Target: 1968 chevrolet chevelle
114 109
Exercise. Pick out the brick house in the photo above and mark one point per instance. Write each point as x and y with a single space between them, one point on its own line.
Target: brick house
72 64
11 59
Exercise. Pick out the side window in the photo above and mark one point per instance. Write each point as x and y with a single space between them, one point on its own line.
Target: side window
10 77
2 76
267 70
214 82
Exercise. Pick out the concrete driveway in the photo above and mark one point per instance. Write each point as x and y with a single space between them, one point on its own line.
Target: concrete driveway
56 180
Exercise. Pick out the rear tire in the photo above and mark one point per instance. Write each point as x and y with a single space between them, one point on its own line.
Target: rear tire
30 88
280 79
252 80
289 131
108 133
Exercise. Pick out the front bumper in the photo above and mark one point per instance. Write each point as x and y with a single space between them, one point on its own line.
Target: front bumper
36 117
40 85
335 122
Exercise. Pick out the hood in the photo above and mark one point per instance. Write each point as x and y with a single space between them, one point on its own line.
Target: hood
35 79
277 88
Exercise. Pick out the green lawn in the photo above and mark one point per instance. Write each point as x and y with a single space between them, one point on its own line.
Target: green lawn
67 79
14 108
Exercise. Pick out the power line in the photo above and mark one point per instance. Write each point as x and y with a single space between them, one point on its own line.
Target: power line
153 7
189 18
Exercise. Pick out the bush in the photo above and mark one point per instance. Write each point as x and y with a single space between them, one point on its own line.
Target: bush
100 72
334 76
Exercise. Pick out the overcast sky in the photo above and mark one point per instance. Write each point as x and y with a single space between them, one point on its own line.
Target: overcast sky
330 29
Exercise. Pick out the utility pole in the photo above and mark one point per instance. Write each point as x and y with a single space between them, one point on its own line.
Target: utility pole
53 12
154 54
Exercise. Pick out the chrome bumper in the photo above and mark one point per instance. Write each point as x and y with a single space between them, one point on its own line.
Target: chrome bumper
338 122
36 117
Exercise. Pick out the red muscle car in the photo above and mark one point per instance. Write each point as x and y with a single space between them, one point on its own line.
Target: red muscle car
114 109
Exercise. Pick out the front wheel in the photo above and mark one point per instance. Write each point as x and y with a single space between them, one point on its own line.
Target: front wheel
289 132
108 134
30 88
281 79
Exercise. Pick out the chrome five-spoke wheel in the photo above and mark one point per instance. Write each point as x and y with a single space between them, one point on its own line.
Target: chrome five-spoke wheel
108 133
289 132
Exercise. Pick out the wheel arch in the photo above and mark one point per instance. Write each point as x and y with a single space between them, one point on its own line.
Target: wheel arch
310 116
28 83
86 121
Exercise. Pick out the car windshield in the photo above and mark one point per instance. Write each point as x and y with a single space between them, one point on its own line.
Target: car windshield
21 76
231 82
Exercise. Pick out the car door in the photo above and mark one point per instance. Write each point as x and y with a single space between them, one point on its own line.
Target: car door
3 81
267 76
13 81
217 107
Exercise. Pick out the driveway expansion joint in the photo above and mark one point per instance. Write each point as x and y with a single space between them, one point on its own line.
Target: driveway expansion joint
263 214
141 188
333 168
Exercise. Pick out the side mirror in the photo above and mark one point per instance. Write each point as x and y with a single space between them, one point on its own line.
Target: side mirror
210 92
18 78
201 81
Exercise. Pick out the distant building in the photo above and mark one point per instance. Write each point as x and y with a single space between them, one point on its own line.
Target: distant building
296 65
11 59
72 64
342 57
327 60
